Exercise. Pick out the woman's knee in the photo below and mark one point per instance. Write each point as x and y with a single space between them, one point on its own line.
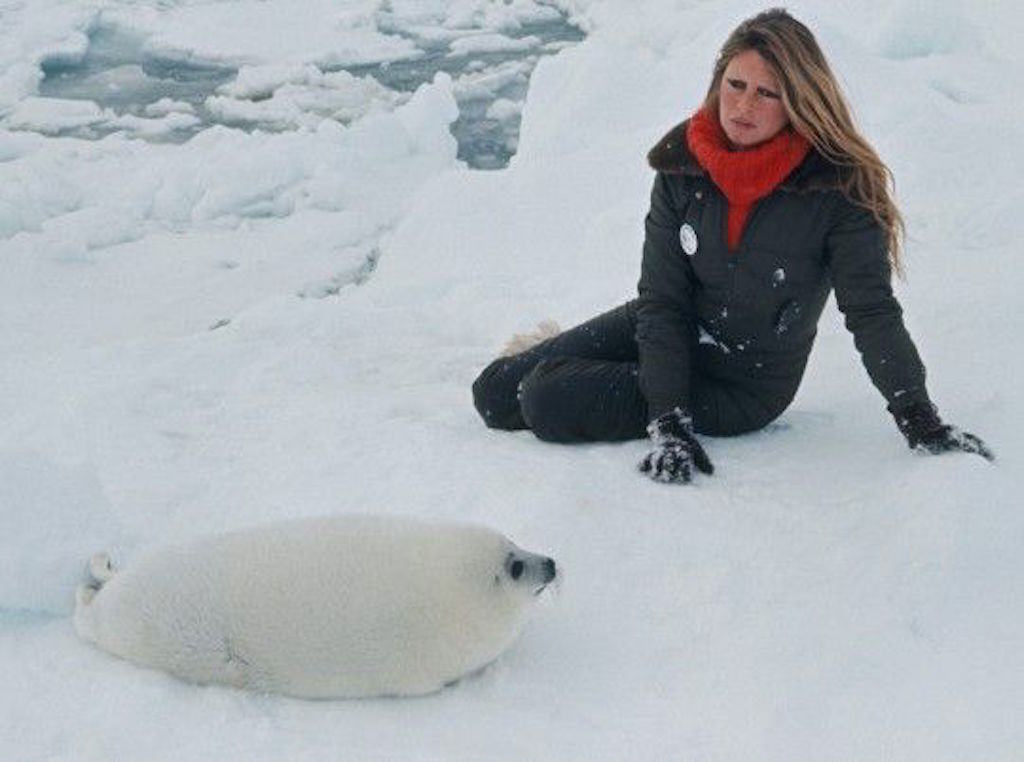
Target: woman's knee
544 403
495 396
574 399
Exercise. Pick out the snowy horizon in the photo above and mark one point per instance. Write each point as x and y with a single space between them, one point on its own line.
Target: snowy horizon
251 268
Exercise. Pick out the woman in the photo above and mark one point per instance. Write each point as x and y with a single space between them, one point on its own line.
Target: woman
765 199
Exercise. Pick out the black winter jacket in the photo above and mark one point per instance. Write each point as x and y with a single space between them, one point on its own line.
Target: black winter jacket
751 314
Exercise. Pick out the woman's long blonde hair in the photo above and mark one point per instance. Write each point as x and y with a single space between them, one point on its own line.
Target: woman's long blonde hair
817 110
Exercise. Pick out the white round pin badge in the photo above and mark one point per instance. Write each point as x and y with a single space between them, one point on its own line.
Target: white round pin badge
688 238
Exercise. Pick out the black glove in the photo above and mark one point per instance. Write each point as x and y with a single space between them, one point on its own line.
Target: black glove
676 450
924 430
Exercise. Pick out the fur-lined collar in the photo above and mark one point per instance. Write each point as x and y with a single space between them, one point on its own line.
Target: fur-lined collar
672 156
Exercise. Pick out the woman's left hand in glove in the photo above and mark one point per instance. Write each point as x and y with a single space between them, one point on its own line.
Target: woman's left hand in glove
924 430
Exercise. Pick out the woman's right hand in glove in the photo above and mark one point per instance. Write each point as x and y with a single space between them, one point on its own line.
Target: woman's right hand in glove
676 449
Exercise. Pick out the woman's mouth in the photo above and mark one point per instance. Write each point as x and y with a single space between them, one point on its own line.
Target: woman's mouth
742 125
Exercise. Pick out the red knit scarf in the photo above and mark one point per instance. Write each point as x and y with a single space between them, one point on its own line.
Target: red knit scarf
743 176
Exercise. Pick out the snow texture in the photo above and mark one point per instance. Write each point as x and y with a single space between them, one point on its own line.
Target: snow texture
827 593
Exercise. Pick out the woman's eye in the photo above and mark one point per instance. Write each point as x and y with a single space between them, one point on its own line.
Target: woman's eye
768 93
737 84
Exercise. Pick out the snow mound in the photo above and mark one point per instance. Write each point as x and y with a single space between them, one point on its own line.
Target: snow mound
920 28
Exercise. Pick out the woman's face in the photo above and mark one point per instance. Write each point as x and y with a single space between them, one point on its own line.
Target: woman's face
750 101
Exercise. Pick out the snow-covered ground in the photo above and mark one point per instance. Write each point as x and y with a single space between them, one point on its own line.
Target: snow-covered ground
255 324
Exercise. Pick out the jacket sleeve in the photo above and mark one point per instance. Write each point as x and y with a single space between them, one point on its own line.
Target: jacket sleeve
666 329
857 255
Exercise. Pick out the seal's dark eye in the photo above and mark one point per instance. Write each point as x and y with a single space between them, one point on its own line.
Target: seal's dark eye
516 569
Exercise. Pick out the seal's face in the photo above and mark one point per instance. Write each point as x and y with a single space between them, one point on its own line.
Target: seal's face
528 573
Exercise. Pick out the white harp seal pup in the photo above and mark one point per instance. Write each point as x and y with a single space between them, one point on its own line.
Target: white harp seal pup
334 607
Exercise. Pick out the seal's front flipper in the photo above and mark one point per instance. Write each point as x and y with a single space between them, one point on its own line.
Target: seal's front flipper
84 595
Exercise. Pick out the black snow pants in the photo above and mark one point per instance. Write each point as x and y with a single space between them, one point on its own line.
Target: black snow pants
583 385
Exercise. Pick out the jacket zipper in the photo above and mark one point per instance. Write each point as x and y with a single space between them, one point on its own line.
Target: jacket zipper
758 205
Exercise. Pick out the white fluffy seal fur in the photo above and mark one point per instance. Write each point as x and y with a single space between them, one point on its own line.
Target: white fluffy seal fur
340 606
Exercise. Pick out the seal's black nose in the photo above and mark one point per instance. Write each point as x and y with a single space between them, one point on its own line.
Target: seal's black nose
549 569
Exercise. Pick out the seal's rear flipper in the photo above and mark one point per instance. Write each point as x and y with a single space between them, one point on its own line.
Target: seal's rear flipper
98 571
101 570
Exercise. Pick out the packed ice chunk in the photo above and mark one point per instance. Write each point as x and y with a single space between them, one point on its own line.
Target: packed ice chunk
51 116
504 109
491 43
283 97
166 106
